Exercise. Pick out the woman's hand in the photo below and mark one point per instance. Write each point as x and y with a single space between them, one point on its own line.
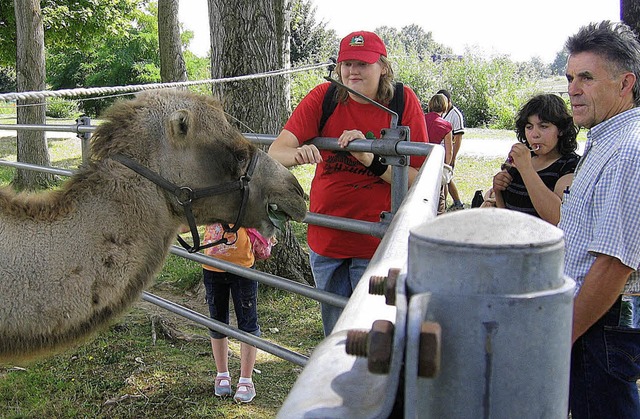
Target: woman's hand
521 156
287 150
501 180
307 154
349 135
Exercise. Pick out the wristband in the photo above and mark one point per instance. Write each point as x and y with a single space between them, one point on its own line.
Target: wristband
377 167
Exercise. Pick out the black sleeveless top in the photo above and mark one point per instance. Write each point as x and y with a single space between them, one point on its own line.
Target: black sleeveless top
516 196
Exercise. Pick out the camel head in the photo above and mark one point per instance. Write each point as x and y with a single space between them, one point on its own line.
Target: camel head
194 148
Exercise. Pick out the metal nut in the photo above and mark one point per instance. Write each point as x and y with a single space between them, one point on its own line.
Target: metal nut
380 345
429 352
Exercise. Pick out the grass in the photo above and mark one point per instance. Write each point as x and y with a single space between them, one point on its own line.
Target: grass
472 174
122 373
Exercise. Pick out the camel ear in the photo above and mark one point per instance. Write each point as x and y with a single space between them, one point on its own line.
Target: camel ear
179 123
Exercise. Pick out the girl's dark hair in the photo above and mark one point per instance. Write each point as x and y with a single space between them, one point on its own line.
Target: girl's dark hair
549 108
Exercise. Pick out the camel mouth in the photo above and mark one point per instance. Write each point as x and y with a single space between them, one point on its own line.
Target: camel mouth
277 216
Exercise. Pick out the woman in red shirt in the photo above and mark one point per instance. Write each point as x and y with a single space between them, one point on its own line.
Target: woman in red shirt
347 184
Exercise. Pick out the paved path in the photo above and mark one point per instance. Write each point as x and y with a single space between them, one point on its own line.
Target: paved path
485 147
492 148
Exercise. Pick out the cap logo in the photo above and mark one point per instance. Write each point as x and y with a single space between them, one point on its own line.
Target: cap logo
357 41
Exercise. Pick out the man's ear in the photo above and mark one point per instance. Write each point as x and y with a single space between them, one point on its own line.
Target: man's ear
628 81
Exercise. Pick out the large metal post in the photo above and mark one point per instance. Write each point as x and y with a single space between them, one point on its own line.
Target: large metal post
505 309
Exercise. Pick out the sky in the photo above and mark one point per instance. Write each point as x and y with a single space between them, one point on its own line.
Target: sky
521 30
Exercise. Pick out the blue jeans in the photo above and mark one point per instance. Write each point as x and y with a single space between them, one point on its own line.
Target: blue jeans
338 276
605 364
245 300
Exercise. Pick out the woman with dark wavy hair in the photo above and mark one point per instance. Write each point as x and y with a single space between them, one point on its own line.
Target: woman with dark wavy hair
540 166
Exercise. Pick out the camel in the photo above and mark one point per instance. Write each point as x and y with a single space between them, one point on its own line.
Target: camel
73 259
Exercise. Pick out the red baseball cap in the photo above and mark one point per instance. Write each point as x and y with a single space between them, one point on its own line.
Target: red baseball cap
362 46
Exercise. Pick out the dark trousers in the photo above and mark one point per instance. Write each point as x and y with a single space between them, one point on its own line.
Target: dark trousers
605 365
245 299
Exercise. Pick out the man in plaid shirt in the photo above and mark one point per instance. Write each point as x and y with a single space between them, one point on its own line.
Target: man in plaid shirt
600 218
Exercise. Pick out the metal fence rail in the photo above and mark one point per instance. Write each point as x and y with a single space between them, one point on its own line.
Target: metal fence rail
395 146
233 332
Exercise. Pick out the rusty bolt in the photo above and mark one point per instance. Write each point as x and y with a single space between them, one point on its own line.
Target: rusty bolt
376 345
385 285
357 342
429 352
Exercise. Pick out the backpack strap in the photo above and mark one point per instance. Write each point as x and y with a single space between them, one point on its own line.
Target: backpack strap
329 103
397 103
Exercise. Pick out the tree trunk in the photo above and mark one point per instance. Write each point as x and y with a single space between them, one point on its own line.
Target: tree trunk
251 37
630 14
248 37
172 66
30 75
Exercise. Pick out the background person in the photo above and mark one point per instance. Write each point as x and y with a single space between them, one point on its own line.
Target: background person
439 132
542 162
219 285
353 185
601 221
454 116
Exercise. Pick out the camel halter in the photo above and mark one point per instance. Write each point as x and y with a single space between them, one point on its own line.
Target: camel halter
186 195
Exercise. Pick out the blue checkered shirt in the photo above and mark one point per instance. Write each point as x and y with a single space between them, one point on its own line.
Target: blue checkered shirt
601 211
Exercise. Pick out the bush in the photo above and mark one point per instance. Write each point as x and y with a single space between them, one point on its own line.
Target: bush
7 80
94 107
7 108
62 108
488 91
303 82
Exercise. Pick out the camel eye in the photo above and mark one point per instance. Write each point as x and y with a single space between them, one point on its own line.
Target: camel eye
241 156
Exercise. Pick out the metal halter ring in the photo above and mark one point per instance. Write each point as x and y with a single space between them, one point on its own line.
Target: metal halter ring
182 193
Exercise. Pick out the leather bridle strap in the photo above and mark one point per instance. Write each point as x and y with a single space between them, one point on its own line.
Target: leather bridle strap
186 195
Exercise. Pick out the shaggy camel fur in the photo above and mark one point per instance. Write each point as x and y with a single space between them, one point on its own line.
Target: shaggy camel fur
72 259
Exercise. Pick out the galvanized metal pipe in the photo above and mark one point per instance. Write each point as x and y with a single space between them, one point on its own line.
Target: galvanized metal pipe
347 224
36 168
325 143
265 278
76 129
194 316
